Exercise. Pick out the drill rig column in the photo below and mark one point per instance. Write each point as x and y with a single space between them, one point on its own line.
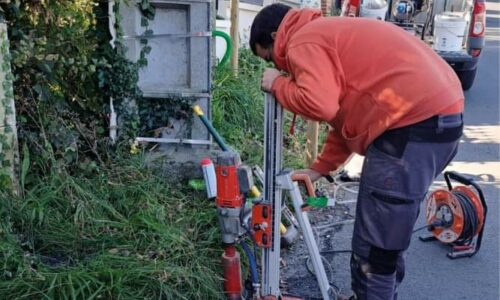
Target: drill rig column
273 163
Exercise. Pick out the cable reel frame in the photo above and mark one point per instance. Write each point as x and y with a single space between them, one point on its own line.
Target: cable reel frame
444 207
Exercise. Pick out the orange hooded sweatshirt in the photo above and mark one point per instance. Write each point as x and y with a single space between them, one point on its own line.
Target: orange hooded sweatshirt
362 76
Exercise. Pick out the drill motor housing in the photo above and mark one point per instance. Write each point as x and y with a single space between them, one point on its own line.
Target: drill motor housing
234 181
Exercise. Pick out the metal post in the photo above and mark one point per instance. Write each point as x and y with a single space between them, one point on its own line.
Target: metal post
276 181
273 140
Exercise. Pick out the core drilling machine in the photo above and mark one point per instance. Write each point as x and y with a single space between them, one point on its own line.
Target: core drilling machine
262 222
234 183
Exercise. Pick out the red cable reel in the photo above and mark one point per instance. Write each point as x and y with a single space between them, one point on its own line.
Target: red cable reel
456 216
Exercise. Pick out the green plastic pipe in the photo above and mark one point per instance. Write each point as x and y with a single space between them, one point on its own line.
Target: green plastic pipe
229 46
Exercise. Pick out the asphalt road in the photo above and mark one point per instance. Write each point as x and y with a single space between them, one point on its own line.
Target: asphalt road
430 275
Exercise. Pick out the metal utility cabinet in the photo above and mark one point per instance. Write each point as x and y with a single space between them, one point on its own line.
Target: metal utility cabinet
180 62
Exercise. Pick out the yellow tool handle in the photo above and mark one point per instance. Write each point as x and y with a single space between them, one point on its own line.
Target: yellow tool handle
282 228
197 110
255 191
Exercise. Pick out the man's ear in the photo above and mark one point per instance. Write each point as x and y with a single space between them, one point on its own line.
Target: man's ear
273 35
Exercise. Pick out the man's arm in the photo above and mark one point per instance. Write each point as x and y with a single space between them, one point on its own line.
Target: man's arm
334 154
313 90
315 82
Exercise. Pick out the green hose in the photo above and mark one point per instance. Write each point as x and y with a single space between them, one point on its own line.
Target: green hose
229 46
220 141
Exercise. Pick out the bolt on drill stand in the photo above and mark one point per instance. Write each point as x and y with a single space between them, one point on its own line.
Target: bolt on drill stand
266 214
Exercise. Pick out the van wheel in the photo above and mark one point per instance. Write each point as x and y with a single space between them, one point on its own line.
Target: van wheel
467 78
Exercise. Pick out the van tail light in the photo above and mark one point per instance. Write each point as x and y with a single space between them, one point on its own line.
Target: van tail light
478 24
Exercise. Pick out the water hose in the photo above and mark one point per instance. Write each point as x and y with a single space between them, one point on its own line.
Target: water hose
251 261
229 46
199 112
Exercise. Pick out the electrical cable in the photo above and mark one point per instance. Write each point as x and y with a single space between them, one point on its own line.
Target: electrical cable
421 228
471 219
335 251
437 223
326 263
345 187
434 224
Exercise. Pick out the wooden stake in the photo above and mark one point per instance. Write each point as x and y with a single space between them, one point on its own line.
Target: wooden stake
312 142
235 39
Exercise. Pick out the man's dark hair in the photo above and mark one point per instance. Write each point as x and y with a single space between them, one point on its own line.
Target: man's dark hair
266 22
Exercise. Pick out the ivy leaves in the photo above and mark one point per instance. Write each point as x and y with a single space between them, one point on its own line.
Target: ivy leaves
148 11
148 14
7 134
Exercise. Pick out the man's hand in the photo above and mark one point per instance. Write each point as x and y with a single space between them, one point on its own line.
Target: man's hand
268 78
313 175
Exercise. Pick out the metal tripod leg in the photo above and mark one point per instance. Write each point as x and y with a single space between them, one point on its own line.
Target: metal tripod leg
284 180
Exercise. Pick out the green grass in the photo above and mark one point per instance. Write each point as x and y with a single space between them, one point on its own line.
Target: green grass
122 233
238 107
118 231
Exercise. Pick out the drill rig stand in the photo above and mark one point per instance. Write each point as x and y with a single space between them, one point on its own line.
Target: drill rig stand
234 185
266 214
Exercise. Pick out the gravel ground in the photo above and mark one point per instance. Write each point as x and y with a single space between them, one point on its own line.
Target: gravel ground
332 227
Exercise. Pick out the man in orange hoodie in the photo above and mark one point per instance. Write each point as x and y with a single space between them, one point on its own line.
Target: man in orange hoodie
387 96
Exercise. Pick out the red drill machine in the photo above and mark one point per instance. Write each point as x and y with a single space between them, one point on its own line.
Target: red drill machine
234 182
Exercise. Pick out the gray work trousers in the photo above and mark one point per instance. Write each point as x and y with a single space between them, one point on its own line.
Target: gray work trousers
398 170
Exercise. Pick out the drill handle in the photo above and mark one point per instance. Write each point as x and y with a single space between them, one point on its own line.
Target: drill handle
303 178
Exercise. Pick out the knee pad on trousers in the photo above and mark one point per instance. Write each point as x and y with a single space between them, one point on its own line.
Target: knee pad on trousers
383 261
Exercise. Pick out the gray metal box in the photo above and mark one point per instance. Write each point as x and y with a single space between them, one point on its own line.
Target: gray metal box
180 61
